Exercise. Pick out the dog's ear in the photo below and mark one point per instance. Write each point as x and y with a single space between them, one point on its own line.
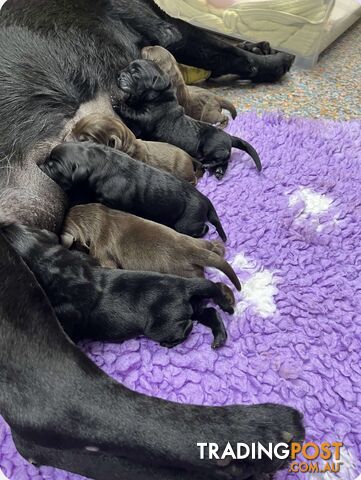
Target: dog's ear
161 82
246 147
79 173
67 240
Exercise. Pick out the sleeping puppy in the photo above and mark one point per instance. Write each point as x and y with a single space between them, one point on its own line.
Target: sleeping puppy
207 107
111 131
150 108
113 178
121 240
115 305
198 103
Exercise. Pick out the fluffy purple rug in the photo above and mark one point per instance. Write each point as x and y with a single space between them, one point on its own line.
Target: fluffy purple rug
295 241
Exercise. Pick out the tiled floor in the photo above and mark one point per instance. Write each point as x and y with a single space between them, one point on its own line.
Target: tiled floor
331 90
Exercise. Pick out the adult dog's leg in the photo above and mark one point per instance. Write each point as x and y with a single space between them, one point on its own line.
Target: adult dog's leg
53 396
97 466
193 46
142 17
211 52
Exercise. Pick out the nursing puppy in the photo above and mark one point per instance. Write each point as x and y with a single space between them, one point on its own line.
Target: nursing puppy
121 240
150 108
111 131
129 304
113 178
198 103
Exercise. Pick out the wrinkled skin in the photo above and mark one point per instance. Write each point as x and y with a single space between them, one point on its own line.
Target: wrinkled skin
57 402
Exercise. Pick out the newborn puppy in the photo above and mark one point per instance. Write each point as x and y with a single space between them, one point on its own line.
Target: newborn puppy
114 305
150 108
111 131
198 103
118 181
207 107
121 240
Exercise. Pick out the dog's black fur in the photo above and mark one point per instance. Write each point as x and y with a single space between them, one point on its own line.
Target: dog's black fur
56 56
73 405
128 25
120 182
114 305
150 108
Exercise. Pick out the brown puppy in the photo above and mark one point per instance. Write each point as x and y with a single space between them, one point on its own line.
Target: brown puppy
111 131
121 240
208 107
198 103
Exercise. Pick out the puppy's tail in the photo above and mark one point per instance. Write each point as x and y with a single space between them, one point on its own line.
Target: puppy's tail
207 258
227 105
214 220
247 147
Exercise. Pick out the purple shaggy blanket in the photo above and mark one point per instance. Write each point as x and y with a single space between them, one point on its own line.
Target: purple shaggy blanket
295 241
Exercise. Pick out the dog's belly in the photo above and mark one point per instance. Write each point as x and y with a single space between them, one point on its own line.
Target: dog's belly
27 195
33 199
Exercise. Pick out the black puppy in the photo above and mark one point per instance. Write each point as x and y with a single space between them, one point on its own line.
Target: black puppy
116 180
114 304
150 108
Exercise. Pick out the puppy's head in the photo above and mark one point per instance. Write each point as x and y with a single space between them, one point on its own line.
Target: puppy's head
142 82
103 129
157 54
68 162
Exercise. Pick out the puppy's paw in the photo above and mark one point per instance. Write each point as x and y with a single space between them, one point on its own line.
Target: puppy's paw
223 121
217 247
219 171
227 300
193 180
220 339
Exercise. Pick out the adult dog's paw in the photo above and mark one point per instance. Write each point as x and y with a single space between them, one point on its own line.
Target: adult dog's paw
270 68
167 35
260 48
267 424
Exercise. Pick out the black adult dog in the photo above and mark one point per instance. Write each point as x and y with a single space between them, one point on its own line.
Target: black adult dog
150 108
113 305
59 61
118 181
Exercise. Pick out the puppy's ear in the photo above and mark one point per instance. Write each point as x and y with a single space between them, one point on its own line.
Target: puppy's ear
79 173
161 82
246 147
67 240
